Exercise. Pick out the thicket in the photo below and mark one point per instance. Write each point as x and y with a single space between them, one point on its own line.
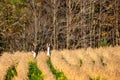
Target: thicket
71 24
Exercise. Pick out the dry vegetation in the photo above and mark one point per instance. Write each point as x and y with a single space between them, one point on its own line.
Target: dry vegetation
41 62
89 64
23 66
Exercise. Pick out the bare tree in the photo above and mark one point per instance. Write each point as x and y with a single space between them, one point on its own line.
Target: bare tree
35 23
68 15
117 26
54 22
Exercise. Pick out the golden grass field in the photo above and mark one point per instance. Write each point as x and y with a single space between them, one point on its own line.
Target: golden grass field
82 64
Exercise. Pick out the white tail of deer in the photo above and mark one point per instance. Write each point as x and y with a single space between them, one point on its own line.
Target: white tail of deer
34 54
48 50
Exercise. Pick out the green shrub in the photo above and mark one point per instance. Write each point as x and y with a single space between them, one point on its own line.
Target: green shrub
11 73
104 42
34 72
97 78
59 75
81 62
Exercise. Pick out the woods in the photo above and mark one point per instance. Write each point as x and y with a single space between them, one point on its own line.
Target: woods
65 24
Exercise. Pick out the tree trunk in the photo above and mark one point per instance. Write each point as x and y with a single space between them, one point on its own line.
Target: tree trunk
116 13
35 24
54 23
100 27
68 22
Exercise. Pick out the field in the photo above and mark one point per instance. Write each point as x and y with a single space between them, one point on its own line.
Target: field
82 64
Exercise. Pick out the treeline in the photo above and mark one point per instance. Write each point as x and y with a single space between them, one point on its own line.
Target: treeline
71 24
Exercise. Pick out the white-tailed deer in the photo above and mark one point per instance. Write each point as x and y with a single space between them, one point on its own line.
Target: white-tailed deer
35 52
48 50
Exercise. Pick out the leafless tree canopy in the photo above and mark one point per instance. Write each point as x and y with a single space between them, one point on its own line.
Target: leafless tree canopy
70 24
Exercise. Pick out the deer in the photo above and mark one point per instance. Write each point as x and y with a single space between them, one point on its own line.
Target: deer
35 53
48 50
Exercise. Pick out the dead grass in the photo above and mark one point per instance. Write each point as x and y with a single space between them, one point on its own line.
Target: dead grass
70 57
23 66
6 62
42 65
100 63
71 72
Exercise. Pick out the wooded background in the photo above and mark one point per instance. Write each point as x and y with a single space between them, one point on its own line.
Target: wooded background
65 24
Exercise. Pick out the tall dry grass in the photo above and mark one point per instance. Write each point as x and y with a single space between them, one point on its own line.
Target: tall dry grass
42 65
82 64
102 63
23 65
6 62
99 62
91 62
70 57
111 57
71 72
